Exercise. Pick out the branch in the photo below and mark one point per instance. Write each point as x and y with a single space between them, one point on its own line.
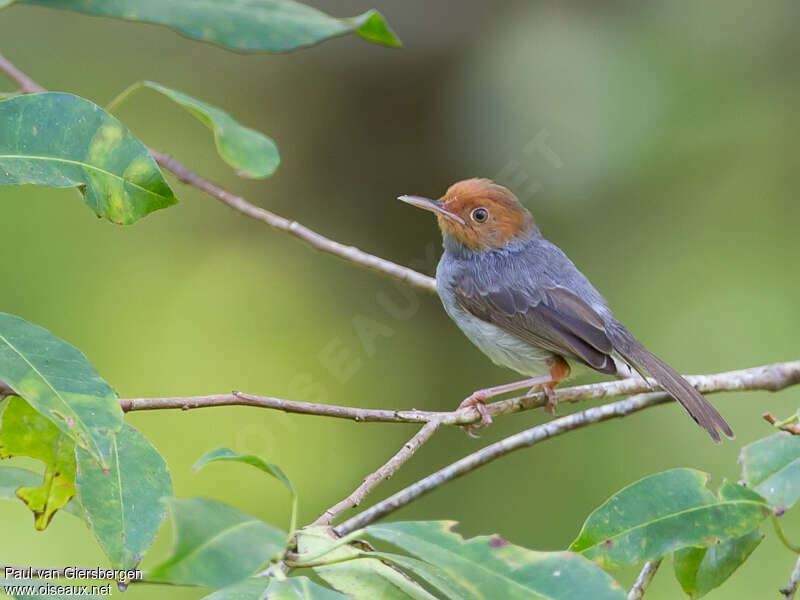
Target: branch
769 377
385 472
794 580
787 425
505 446
644 579
26 84
314 239
772 377
237 203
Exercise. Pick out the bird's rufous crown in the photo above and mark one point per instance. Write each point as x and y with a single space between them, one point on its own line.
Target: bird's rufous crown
490 215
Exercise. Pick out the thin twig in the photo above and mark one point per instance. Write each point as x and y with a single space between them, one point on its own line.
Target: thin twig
316 240
783 426
768 377
643 580
293 228
494 451
26 84
794 580
385 472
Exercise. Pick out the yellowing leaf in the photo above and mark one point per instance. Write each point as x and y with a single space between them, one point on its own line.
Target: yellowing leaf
24 432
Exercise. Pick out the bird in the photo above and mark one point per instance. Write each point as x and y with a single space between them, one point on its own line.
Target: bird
524 303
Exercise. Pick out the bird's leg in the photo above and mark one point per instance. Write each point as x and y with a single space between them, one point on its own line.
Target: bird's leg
478 399
559 370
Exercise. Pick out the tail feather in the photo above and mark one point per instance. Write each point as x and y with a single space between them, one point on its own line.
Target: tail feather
693 401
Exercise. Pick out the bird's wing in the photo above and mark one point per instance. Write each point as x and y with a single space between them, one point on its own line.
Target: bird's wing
553 318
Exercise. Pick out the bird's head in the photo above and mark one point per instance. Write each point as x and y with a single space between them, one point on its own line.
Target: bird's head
479 214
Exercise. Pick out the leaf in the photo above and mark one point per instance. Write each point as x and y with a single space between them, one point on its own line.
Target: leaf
123 504
228 455
425 571
215 544
359 578
666 512
61 140
263 588
59 382
491 567
266 25
13 478
5 3
250 152
24 432
771 467
699 570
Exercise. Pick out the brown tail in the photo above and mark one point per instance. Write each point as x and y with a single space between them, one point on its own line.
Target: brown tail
693 401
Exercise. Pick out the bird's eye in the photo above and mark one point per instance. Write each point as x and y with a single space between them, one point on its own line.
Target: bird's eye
479 215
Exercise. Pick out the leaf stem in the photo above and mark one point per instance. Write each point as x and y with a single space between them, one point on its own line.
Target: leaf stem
123 95
782 535
307 560
293 517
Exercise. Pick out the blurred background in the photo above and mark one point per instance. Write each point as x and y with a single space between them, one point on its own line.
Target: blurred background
655 142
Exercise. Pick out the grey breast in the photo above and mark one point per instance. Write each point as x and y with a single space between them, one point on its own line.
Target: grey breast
503 348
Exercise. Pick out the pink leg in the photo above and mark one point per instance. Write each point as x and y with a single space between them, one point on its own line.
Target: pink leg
558 370
478 399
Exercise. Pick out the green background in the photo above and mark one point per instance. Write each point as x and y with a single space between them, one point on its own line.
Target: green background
674 189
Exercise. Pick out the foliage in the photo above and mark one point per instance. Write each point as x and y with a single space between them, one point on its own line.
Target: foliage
60 140
101 470
631 528
267 25
24 432
250 152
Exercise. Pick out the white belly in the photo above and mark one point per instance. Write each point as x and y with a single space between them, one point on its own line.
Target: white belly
502 348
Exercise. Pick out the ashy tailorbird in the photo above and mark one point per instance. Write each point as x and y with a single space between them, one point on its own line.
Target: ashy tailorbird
519 298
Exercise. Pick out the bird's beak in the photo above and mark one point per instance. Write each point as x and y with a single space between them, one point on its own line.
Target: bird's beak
432 206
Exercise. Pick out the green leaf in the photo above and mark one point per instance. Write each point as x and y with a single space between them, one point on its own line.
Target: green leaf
60 383
13 478
699 570
666 512
771 467
266 25
263 588
123 504
250 152
24 432
5 3
228 455
215 544
359 578
425 571
491 567
61 140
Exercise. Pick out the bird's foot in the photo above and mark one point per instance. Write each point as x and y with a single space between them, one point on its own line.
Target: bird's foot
478 402
552 401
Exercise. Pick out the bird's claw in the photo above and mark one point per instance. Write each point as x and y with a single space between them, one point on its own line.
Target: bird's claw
478 402
552 402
